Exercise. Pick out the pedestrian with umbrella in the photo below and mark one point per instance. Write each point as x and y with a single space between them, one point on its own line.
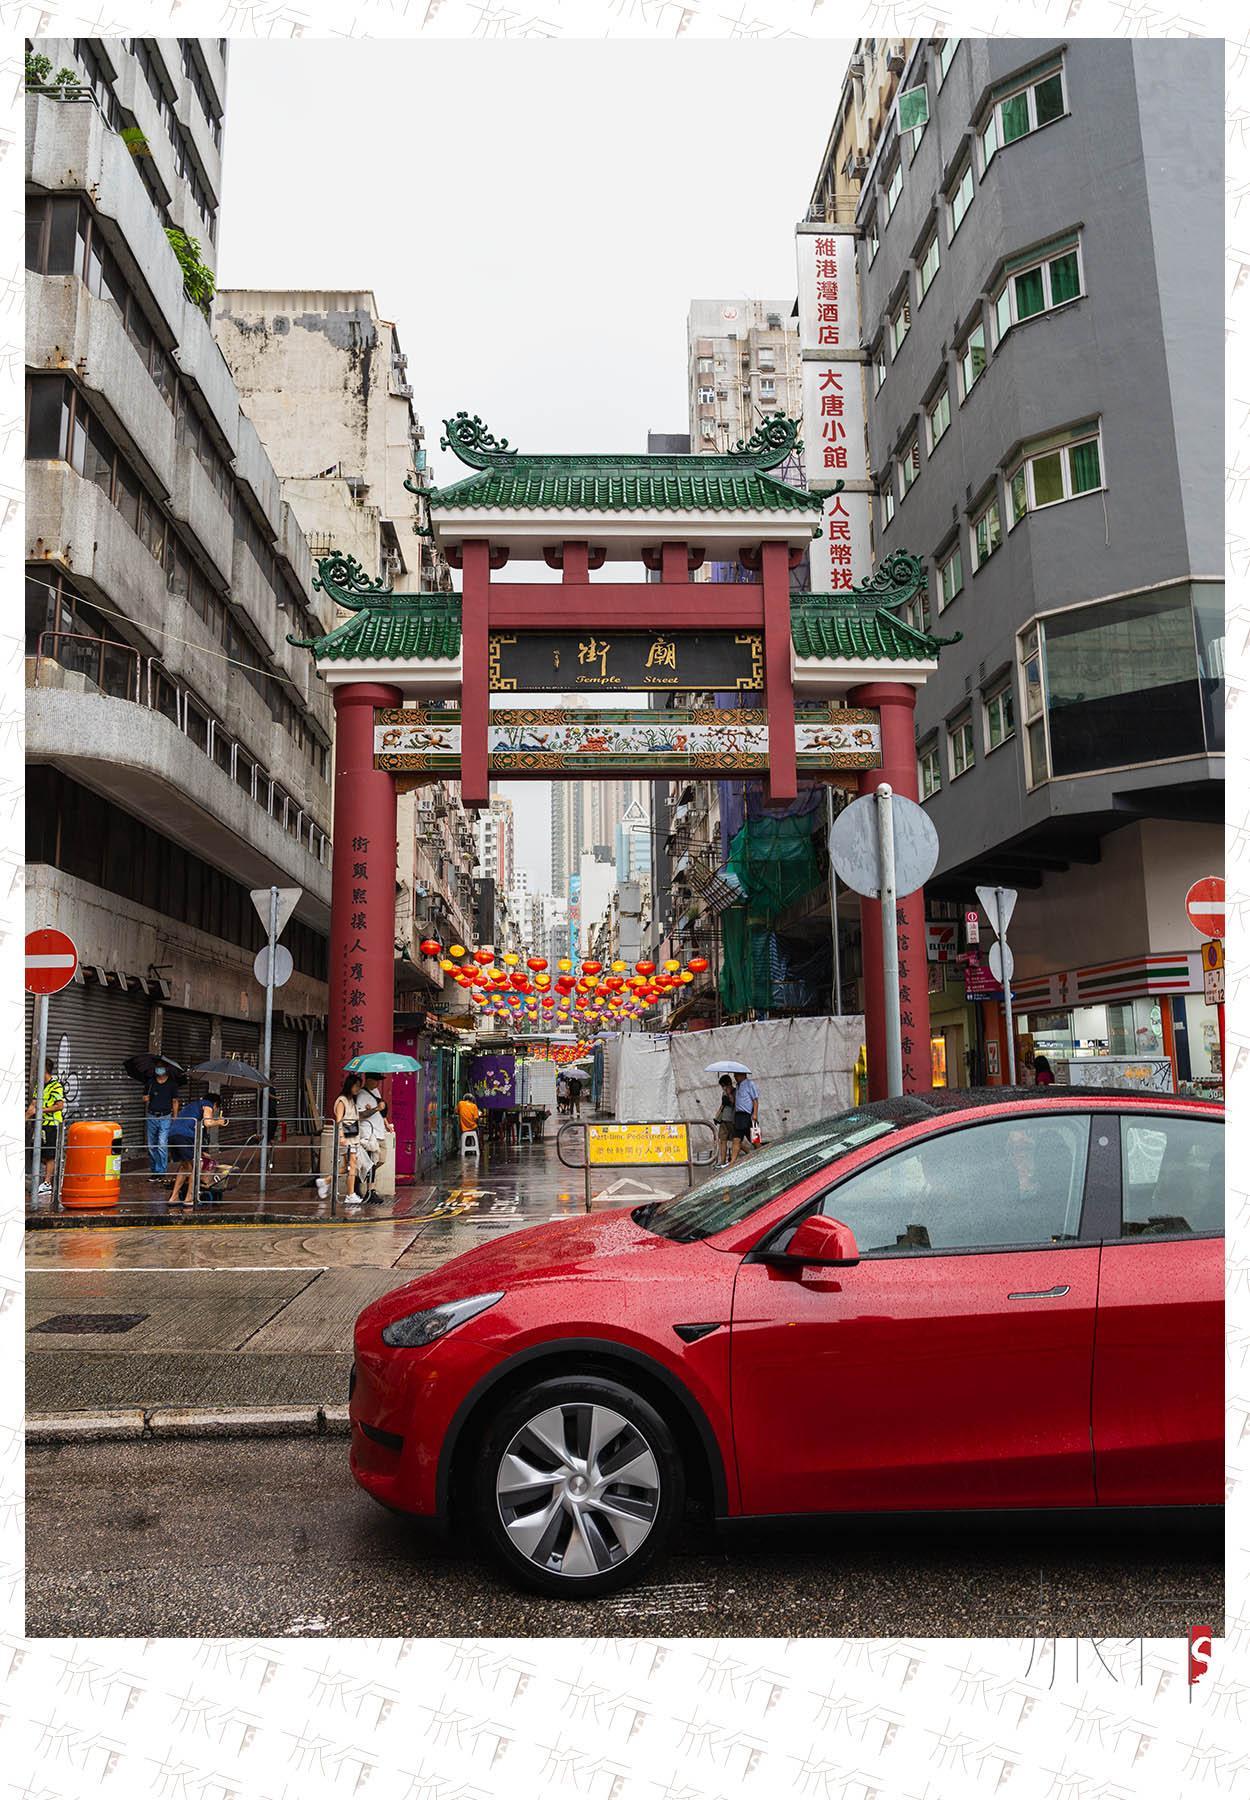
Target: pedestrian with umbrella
746 1106
162 1098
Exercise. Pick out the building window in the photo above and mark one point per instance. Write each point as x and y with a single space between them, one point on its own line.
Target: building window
930 262
1048 283
938 418
987 534
878 370
887 503
945 53
909 467
705 365
874 240
950 578
916 612
900 325
960 198
768 390
707 396
1039 102
961 745
972 360
1121 682
929 768
893 187
1052 472
1000 716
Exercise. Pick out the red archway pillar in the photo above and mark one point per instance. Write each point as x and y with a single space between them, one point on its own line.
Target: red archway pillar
362 894
778 678
475 673
896 703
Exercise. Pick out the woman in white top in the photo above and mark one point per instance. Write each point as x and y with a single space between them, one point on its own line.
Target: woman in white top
346 1113
374 1132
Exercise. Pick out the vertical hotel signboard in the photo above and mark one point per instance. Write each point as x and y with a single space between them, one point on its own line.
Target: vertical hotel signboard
834 443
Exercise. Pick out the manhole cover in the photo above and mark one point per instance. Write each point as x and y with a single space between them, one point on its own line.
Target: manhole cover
80 1324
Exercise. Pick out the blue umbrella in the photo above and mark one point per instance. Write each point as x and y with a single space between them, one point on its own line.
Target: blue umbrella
381 1062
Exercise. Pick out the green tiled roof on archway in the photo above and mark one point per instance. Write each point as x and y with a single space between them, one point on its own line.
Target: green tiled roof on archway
838 626
504 480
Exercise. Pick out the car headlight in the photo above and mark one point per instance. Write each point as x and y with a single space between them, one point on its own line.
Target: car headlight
418 1328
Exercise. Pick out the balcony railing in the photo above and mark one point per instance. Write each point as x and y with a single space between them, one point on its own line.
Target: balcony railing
82 663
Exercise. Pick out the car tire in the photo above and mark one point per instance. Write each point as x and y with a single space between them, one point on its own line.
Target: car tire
578 1485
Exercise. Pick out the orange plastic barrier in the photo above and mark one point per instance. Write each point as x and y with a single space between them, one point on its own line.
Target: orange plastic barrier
93 1164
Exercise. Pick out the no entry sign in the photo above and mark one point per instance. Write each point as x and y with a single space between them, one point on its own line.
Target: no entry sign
51 961
1204 905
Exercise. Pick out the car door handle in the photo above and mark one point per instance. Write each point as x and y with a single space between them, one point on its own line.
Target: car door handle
1054 1293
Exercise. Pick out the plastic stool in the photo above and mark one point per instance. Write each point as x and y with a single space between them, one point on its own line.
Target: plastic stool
526 1133
465 1138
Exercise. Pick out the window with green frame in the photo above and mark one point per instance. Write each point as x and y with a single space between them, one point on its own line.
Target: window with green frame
1038 103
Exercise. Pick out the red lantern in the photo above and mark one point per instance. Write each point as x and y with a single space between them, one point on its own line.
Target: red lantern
519 981
645 968
537 963
565 984
485 957
697 964
591 968
431 947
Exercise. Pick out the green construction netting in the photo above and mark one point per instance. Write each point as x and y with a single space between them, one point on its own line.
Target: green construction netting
776 864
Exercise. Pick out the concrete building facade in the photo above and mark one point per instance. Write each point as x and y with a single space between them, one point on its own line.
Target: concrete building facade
178 746
1039 271
325 382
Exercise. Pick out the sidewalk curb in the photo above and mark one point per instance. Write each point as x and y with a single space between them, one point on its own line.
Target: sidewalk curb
167 1423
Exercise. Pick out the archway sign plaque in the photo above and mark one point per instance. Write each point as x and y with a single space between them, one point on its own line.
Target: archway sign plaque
826 682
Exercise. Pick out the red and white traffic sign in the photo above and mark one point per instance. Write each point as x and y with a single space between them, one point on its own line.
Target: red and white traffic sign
1204 904
51 961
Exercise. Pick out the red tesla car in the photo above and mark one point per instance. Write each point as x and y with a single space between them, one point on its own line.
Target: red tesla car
967 1299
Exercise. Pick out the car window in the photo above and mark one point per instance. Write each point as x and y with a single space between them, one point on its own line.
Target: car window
1015 1181
1172 1175
731 1195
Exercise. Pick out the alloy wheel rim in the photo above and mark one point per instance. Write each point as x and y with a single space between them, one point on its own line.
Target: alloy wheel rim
578 1489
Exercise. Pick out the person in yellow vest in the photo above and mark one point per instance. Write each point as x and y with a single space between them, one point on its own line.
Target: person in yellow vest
53 1115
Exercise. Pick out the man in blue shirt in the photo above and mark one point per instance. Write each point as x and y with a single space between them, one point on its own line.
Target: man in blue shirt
182 1142
746 1112
162 1110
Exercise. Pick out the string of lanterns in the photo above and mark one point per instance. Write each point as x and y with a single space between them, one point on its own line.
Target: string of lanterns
524 990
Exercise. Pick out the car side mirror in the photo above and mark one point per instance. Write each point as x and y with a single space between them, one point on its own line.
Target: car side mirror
822 1240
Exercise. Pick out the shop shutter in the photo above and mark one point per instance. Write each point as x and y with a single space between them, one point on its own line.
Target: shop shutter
240 1038
91 1032
186 1036
288 1102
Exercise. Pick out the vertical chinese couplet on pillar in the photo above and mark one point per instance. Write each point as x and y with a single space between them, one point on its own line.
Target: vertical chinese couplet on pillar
362 904
897 705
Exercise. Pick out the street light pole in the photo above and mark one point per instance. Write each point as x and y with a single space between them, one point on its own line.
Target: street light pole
833 906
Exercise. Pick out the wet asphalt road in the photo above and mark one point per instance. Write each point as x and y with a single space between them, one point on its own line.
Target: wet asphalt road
272 1538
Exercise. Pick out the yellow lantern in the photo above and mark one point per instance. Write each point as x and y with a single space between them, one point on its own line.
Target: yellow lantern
686 976
511 958
672 967
456 950
564 965
618 966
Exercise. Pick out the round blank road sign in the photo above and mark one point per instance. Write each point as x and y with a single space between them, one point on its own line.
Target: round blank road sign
51 961
283 963
1204 905
854 846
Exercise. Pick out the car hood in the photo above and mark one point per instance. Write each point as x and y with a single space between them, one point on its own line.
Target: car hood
606 1246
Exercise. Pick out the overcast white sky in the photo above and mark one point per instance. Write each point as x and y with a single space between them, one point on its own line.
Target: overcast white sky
535 217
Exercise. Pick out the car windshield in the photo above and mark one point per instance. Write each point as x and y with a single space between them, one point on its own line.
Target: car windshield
728 1196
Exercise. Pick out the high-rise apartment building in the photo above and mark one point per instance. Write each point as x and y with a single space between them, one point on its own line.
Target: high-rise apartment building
178 746
327 386
1044 361
743 363
496 843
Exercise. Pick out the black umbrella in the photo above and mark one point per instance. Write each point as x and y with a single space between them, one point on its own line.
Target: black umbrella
143 1066
225 1071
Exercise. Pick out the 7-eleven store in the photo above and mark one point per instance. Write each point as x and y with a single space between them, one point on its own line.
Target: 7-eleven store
1147 1006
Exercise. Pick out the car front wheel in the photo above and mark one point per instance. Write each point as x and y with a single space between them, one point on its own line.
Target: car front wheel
579 1486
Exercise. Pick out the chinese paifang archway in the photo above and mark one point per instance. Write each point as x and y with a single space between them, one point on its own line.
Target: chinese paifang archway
412 674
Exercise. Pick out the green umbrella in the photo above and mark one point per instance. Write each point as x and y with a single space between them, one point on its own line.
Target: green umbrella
382 1062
